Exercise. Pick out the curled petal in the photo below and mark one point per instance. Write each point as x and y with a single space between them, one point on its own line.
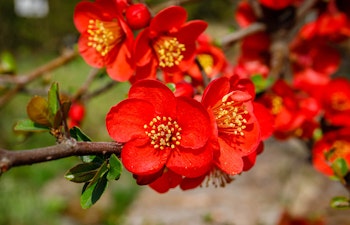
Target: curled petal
215 91
228 159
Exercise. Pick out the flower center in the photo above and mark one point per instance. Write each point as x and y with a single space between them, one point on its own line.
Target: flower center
163 132
277 104
230 117
206 62
104 35
169 51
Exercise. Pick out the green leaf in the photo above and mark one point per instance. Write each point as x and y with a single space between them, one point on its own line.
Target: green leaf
82 173
78 134
30 126
92 192
102 171
261 83
37 110
115 168
53 100
171 86
7 63
340 167
340 202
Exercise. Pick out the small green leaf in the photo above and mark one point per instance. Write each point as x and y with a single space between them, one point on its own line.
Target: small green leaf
78 134
261 83
82 173
53 100
340 202
92 192
115 168
30 126
171 86
340 167
37 110
7 63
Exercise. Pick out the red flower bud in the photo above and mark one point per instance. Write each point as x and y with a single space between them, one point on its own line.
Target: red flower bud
138 16
76 112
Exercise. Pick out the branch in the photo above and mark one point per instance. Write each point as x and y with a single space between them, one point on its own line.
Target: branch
230 39
23 80
70 147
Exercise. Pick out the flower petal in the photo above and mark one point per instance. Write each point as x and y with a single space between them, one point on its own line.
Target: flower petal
168 180
125 121
191 162
155 92
228 159
214 92
143 159
121 69
194 122
191 30
169 19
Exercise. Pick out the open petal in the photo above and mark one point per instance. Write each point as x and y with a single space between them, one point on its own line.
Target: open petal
228 159
191 162
157 94
143 160
194 122
125 121
190 31
90 55
169 19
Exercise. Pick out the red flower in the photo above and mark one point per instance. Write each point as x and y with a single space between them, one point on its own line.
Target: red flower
245 14
276 4
106 40
336 102
236 130
168 43
291 109
331 146
160 130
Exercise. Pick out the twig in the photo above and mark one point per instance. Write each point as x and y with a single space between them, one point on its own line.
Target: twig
70 147
99 91
83 89
230 39
22 81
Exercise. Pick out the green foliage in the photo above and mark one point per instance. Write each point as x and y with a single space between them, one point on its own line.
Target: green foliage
340 202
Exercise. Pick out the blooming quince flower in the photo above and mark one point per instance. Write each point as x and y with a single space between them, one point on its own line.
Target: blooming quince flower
332 146
236 129
160 131
336 102
168 43
106 40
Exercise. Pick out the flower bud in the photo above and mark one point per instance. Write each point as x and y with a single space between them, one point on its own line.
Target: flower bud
138 16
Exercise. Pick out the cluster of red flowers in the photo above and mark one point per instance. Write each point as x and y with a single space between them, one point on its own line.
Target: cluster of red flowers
201 133
314 106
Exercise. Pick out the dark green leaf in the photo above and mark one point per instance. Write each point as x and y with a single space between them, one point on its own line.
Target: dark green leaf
30 126
102 170
83 172
115 168
340 202
37 110
78 134
92 192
